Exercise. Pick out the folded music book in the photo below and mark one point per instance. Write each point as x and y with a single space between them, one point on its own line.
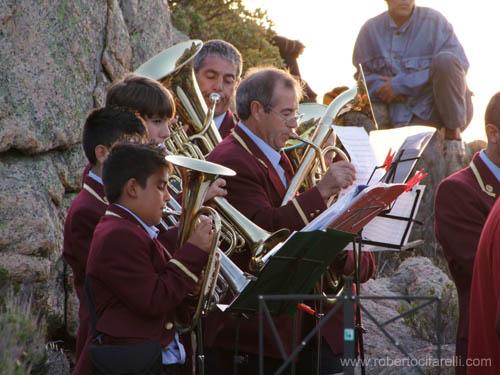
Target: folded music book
357 208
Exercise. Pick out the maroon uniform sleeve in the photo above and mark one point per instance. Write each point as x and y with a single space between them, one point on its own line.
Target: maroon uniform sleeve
78 235
458 224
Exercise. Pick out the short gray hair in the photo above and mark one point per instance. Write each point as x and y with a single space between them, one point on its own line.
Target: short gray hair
259 85
220 48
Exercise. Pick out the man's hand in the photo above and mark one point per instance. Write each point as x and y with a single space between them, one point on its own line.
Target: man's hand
216 189
386 93
339 175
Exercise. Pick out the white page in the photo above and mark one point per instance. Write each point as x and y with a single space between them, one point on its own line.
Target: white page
391 231
357 143
383 140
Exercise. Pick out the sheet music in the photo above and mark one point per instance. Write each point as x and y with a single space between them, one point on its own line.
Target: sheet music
342 204
357 143
382 140
391 231
321 222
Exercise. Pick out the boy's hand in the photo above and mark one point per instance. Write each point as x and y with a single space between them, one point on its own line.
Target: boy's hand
217 189
202 234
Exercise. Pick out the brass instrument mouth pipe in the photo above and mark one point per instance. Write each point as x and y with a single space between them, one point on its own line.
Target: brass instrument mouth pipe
317 149
169 211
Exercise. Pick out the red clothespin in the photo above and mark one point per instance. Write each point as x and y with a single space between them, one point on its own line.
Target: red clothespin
307 309
388 159
419 176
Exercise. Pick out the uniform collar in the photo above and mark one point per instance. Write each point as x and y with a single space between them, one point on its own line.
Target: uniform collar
125 213
94 188
485 178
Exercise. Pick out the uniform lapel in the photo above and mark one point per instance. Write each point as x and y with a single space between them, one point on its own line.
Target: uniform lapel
95 189
254 150
227 124
117 211
487 181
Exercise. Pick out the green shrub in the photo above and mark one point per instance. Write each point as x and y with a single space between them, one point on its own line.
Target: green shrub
249 31
22 336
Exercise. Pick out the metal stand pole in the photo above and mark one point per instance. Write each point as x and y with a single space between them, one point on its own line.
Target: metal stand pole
359 330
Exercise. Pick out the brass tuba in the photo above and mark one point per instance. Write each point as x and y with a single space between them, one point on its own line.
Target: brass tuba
313 151
195 133
197 175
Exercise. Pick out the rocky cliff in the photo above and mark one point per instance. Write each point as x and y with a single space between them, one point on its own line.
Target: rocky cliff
57 58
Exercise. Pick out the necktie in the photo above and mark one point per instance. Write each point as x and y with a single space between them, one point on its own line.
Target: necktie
287 166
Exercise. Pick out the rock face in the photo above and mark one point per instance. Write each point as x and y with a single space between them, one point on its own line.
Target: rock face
57 60
415 333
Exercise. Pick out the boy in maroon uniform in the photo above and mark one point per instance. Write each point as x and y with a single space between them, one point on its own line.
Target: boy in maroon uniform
137 285
102 129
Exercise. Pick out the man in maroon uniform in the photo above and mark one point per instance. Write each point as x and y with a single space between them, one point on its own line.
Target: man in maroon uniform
218 68
267 103
137 285
484 323
463 201
102 128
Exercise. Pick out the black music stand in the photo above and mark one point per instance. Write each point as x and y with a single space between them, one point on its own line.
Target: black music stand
294 269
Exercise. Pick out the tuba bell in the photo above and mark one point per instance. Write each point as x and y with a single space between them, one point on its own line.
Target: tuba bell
195 133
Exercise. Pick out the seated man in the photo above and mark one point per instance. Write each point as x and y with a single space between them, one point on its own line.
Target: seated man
218 69
414 63
267 102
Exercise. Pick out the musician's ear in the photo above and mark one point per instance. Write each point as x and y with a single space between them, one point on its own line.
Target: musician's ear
492 134
130 189
256 109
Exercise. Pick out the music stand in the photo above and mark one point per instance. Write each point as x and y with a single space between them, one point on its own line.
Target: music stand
294 269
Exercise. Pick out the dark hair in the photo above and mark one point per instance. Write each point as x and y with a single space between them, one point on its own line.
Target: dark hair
220 48
142 94
259 85
127 161
492 114
106 126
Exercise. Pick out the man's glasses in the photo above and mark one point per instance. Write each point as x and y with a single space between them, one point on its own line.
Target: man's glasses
288 120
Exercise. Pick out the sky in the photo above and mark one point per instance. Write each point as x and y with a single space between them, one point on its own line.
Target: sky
328 29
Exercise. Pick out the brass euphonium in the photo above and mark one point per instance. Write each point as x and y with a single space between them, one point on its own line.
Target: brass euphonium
197 175
312 165
313 151
173 69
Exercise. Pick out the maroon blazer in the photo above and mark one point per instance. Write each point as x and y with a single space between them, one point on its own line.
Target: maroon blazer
484 325
257 192
137 286
463 201
227 124
81 220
